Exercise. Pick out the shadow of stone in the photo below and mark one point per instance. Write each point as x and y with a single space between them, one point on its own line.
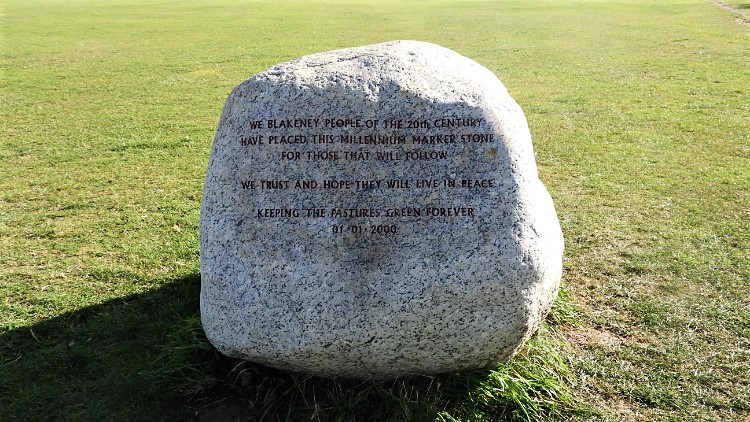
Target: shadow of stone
145 357
98 363
258 393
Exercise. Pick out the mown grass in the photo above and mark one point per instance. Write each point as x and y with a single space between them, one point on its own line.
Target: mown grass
640 113
739 4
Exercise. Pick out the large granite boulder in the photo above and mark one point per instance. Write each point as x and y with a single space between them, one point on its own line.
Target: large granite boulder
375 212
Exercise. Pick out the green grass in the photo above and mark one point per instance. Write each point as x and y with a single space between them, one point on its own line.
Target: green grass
740 9
739 4
640 113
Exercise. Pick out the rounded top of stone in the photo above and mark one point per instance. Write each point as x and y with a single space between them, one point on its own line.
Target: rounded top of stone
428 70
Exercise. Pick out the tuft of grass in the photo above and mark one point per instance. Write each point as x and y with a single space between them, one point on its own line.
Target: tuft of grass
535 386
506 393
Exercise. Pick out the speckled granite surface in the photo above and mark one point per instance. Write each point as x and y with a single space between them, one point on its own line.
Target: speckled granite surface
375 212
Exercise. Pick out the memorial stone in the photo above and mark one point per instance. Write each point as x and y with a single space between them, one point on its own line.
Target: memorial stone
375 212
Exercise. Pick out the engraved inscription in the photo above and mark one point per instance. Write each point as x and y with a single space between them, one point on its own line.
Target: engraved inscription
356 141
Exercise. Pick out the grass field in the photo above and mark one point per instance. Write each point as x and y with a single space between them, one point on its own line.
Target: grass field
739 4
740 9
640 112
